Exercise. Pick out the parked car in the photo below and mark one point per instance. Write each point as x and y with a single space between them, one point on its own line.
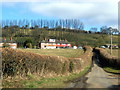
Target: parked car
102 47
80 47
74 47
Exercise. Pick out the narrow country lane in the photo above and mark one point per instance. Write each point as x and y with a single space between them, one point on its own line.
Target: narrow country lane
97 78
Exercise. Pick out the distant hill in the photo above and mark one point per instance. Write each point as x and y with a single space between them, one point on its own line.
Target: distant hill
75 37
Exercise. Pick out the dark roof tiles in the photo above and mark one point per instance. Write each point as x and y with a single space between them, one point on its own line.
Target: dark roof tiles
56 41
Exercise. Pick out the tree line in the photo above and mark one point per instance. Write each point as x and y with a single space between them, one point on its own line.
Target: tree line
40 23
74 24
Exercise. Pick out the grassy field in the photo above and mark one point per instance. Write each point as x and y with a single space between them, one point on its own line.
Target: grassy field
69 53
114 52
34 81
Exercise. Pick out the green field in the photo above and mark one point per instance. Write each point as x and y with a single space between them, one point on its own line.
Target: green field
69 53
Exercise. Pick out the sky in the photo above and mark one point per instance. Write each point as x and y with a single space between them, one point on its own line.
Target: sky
93 13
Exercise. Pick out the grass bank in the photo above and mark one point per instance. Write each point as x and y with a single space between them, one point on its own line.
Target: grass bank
110 63
114 52
34 81
69 53
111 70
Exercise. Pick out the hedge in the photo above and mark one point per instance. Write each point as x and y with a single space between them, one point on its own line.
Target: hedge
106 59
18 62
79 64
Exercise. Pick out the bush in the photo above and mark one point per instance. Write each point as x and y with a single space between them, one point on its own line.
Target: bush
71 66
28 42
17 62
29 45
106 59
35 47
77 64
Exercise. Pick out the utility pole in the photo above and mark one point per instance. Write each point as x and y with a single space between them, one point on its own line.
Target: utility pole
111 40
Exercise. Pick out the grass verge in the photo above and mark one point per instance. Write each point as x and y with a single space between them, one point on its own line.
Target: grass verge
111 70
34 81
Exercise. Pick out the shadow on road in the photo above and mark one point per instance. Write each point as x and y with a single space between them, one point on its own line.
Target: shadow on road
96 77
114 86
96 59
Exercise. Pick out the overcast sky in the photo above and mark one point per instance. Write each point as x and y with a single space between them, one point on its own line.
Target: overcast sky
93 13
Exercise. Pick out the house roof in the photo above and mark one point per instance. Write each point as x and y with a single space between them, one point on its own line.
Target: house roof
7 41
56 41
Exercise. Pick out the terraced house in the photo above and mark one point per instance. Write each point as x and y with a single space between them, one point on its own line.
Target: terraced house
53 44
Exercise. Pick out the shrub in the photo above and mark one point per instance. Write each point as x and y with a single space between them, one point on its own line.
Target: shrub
77 64
71 66
17 62
106 59
35 47
29 45
28 41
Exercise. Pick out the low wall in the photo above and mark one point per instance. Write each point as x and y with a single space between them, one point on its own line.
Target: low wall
106 59
17 62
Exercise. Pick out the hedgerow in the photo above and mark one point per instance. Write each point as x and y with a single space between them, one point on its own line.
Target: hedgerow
108 60
18 62
77 64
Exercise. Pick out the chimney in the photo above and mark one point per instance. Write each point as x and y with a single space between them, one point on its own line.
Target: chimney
65 39
45 38
10 38
5 39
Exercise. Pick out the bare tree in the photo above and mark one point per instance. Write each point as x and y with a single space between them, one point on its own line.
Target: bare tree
104 29
93 29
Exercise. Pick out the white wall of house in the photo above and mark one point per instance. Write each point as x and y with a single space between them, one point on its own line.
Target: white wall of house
52 45
48 45
12 45
1 44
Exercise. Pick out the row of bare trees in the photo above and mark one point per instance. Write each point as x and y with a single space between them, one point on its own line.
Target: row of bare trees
109 30
40 23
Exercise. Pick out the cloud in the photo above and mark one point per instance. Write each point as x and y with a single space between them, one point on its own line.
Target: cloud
59 1
62 10
92 13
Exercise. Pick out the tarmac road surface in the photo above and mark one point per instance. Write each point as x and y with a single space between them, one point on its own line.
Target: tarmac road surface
97 78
